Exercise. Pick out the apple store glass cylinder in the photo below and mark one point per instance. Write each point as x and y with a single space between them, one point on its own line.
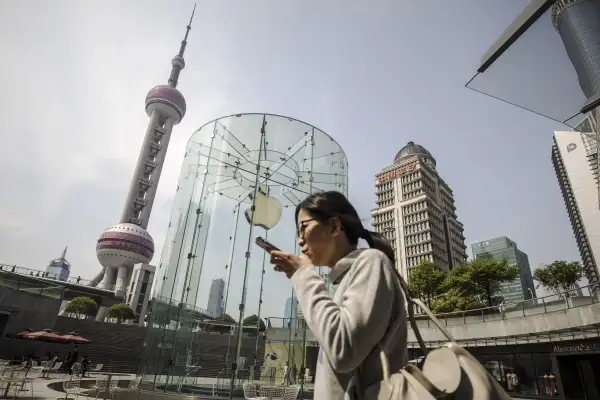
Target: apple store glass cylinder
242 177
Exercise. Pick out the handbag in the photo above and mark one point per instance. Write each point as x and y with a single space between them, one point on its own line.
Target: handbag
448 372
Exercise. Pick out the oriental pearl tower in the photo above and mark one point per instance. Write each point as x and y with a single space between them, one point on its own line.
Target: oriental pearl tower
127 243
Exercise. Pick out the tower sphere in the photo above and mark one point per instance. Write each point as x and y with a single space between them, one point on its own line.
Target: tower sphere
124 245
167 100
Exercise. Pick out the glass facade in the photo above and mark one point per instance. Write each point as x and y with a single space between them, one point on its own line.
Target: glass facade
565 369
578 23
236 169
503 248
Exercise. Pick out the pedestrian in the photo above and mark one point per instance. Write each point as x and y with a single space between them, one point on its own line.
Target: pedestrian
294 374
72 357
286 374
85 366
351 325
515 382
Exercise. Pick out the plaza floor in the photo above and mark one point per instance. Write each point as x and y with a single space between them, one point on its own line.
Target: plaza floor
42 391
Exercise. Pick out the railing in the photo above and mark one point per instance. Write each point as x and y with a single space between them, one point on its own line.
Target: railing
188 307
508 310
15 269
44 288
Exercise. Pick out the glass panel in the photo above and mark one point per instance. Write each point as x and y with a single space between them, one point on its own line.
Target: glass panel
544 374
492 365
552 69
212 278
523 368
505 363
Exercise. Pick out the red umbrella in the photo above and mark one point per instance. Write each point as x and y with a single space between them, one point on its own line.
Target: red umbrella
19 335
72 337
45 335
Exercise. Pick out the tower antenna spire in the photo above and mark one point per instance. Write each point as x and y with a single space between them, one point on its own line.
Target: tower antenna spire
178 62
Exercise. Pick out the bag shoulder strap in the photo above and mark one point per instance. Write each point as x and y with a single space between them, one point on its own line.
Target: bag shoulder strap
398 322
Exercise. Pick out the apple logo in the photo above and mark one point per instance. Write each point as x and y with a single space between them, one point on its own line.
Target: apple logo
267 209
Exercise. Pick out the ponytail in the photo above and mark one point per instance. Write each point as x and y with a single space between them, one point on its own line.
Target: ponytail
331 204
377 241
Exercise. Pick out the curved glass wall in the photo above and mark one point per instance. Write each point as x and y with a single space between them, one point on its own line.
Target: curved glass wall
213 278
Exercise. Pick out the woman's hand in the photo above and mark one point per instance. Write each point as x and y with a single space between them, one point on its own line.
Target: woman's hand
289 263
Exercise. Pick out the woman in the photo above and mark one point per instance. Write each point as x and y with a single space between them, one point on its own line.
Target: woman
350 326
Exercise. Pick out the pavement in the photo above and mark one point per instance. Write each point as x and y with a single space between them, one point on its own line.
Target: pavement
42 389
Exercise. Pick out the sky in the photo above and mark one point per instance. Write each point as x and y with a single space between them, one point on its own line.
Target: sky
372 75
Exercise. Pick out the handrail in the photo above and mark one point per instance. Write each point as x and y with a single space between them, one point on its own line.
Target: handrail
43 275
529 302
573 298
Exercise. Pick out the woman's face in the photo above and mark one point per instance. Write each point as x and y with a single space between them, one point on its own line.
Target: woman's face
314 238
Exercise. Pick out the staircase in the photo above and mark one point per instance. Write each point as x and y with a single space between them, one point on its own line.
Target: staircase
212 352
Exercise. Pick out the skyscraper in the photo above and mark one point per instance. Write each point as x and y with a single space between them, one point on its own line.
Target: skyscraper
128 243
59 268
215 297
416 213
503 248
578 24
291 308
575 159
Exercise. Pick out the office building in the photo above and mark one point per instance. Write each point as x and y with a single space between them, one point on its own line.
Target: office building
575 159
522 288
291 309
577 292
138 295
215 298
416 212
59 268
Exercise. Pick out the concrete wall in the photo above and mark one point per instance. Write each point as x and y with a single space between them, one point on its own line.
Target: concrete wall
28 310
545 317
118 346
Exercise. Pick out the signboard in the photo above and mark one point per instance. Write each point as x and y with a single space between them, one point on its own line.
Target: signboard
388 176
576 348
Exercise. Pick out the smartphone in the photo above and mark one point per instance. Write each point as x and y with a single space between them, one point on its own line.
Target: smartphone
262 243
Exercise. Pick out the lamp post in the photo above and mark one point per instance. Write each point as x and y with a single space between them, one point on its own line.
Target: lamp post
533 298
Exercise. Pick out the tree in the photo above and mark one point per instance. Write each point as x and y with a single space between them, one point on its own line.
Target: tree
252 320
425 282
452 300
82 307
559 277
226 318
479 280
121 311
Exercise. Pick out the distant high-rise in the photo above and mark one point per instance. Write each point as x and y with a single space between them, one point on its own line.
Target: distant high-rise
503 248
59 268
575 159
138 294
290 310
215 297
416 213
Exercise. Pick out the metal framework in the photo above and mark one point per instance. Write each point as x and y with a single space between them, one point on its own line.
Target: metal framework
230 164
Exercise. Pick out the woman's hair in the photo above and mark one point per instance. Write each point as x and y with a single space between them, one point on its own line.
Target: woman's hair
325 205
